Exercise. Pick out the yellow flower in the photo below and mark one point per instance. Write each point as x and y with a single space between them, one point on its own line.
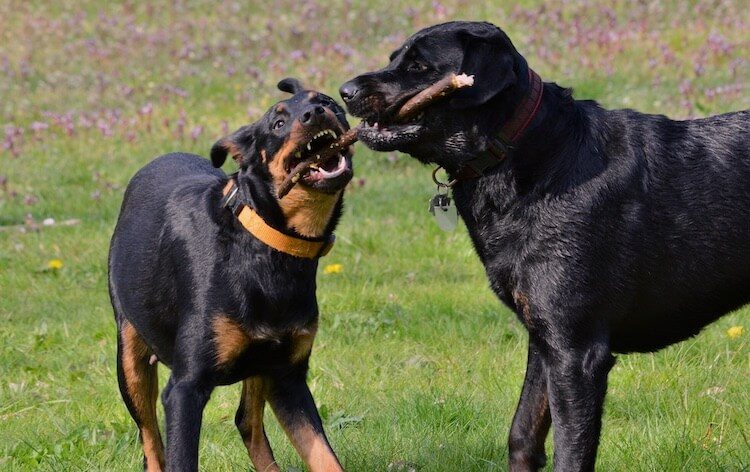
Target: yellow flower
735 332
54 264
333 269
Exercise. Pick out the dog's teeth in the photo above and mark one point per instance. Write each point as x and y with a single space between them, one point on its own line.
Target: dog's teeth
309 147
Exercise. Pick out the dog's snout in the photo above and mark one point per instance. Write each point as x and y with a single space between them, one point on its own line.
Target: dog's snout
312 115
348 91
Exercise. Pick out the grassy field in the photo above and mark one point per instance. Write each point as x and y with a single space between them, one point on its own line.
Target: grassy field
417 366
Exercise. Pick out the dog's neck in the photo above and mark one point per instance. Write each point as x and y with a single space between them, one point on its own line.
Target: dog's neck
302 211
307 212
547 159
550 152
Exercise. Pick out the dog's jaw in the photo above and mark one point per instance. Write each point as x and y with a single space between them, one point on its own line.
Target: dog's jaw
390 137
427 141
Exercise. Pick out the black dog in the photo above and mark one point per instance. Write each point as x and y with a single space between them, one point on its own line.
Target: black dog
606 231
215 277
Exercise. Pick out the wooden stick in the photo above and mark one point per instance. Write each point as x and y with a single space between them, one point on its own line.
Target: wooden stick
411 108
433 93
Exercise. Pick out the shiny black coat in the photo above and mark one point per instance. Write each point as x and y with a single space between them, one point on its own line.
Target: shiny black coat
605 230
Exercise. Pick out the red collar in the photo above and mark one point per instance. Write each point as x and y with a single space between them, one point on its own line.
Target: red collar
512 130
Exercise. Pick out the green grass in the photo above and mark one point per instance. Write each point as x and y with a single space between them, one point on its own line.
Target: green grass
416 362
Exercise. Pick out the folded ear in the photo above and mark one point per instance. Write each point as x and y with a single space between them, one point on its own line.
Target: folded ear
489 57
290 85
240 145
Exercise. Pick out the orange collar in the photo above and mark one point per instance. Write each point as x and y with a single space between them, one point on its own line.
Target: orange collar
270 236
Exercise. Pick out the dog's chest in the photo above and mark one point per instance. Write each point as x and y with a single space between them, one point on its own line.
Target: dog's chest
502 239
240 351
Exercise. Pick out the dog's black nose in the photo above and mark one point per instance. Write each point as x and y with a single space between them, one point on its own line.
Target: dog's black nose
312 115
348 91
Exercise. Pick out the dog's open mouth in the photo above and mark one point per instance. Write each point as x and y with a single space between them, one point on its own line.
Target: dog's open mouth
380 134
384 131
331 173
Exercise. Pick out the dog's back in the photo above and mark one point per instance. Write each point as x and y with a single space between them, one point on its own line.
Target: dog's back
151 198
680 194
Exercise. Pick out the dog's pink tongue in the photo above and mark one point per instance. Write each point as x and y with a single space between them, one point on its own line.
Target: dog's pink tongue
333 168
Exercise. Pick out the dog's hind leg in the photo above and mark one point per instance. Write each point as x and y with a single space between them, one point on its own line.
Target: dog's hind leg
249 421
532 420
139 387
293 404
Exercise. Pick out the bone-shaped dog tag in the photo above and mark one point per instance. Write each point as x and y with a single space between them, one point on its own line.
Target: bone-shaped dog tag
442 208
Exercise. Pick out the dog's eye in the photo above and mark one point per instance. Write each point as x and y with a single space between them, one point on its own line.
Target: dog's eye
278 124
416 67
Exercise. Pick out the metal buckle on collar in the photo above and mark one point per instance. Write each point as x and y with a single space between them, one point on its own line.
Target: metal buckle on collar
232 201
498 148
232 195
494 154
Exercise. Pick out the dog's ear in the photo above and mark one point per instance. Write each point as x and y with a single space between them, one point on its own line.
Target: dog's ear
290 85
240 145
489 57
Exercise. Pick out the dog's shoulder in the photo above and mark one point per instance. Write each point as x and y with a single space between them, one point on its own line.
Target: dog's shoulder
177 194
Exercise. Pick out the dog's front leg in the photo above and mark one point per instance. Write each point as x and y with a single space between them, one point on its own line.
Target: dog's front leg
532 419
577 370
184 399
249 421
293 405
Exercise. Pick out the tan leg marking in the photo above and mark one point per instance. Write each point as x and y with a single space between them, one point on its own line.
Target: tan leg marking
142 385
230 339
314 450
250 425
302 344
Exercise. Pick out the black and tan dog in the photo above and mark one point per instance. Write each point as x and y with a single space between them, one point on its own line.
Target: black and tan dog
605 230
215 277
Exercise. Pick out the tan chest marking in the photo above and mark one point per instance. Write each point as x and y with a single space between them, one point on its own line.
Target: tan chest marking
522 303
231 339
307 211
302 342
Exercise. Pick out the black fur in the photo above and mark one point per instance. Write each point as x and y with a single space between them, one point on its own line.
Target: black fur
178 260
605 230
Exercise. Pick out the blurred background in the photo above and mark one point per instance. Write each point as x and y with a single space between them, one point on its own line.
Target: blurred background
417 366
